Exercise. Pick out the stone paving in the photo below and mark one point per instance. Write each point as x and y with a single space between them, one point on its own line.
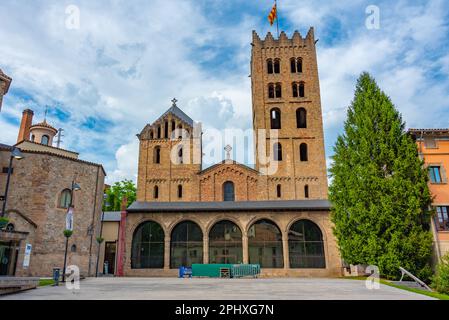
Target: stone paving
217 289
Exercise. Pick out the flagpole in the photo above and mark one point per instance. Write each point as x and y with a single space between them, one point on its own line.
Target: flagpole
277 17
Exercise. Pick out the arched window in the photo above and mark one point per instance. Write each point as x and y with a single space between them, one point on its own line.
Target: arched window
156 192
33 137
270 66
45 139
306 247
180 131
159 132
277 66
299 65
73 248
277 151
271 91
180 156
180 191
278 191
157 155
225 243
147 249
10 227
151 134
173 125
278 90
293 65
301 89
65 198
295 90
265 244
186 245
306 191
166 129
296 65
301 118
275 116
303 152
228 191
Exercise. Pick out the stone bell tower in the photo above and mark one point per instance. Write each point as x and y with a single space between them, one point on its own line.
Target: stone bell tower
286 100
5 82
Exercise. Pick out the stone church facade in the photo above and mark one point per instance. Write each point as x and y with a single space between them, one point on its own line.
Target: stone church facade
275 214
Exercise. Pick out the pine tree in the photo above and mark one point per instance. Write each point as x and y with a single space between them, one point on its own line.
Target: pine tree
379 189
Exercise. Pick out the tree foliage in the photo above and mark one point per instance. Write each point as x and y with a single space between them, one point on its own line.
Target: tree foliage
115 194
379 188
440 281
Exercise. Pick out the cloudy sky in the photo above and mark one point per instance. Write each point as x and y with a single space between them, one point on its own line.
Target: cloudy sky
102 82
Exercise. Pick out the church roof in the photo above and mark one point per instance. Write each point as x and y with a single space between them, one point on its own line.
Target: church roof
272 205
174 109
228 162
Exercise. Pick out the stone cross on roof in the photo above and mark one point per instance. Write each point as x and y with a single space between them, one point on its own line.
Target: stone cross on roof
228 150
174 102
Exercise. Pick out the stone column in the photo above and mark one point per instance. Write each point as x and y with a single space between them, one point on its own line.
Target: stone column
285 250
167 252
205 249
245 247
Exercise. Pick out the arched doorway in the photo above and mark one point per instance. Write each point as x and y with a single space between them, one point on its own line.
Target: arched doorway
306 245
225 243
148 246
186 245
265 244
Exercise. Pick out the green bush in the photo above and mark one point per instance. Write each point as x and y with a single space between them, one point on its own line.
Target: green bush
440 281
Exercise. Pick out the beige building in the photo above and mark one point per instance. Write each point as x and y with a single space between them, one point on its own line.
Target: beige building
39 194
275 214
433 146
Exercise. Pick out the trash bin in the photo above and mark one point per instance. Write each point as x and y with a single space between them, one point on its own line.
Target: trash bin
56 274
106 268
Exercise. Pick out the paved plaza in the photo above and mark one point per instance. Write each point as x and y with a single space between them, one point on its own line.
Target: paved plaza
217 289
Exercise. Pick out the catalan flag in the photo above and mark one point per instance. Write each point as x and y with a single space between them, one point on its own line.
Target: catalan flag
273 15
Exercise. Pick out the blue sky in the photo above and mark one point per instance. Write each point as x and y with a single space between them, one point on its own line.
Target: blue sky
104 81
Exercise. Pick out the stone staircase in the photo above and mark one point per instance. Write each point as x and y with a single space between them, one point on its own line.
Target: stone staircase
16 284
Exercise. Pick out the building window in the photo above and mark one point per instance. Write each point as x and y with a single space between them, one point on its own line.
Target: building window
270 66
65 199
173 125
151 134
277 152
442 218
156 192
306 245
158 132
277 66
180 156
45 139
275 117
296 65
435 174
73 248
225 243
274 90
166 129
147 249
301 91
6 170
157 155
278 190
303 152
298 89
10 227
186 245
265 244
180 191
228 191
301 118
430 143
306 191
33 137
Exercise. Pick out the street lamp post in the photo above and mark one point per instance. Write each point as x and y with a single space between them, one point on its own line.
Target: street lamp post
15 154
75 187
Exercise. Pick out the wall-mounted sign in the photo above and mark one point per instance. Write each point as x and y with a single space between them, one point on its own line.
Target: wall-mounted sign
26 257
69 219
